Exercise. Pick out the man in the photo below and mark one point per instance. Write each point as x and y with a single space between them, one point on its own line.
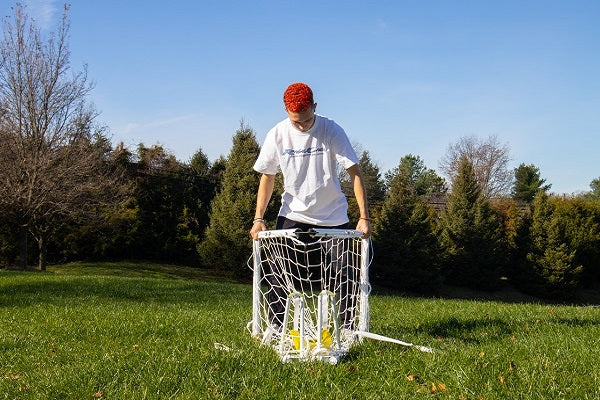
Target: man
305 147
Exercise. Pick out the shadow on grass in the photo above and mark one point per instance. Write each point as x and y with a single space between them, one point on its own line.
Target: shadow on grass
472 331
23 289
504 294
135 269
478 331
579 322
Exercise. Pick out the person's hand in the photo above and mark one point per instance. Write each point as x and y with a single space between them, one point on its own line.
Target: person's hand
257 226
364 226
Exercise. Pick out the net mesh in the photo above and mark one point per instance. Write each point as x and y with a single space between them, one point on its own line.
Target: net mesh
310 292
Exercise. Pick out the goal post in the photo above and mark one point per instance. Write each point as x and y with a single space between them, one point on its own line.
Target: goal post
310 291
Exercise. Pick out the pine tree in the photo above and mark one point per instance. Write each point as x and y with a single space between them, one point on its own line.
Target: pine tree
423 181
227 245
527 183
594 193
471 234
374 186
404 240
550 257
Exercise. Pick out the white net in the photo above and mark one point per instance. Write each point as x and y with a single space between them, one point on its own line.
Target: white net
310 292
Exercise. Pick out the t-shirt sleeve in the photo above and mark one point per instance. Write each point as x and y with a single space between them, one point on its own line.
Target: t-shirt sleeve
268 159
344 153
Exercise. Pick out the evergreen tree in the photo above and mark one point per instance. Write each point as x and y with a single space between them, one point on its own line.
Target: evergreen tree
199 190
550 258
515 220
580 225
113 235
422 180
159 196
403 235
227 245
216 172
374 186
527 183
199 163
471 234
594 194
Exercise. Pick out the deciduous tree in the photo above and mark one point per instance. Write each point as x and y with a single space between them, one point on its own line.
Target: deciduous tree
53 165
489 159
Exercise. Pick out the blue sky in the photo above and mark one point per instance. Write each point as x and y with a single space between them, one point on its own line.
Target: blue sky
400 76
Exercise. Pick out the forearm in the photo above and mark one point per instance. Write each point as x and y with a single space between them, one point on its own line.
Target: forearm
265 190
360 192
263 196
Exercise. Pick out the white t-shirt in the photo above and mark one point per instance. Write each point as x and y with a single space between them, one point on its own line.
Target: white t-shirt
312 192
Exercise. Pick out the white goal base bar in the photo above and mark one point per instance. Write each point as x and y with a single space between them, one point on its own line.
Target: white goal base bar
382 338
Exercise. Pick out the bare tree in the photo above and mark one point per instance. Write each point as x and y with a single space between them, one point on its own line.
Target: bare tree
54 164
490 161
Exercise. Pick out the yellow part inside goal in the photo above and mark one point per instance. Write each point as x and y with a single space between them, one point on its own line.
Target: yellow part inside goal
326 339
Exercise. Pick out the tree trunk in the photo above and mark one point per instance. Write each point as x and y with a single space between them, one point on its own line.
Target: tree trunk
23 248
42 253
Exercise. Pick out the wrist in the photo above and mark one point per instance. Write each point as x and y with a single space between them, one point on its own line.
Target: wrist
258 219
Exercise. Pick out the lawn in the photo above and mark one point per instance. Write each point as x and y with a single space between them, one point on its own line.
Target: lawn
146 331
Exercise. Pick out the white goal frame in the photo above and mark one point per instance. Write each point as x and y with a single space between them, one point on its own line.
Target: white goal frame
299 343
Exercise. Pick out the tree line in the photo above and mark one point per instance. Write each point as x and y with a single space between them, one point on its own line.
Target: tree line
66 193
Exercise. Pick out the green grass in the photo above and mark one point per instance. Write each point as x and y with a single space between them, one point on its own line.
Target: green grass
144 331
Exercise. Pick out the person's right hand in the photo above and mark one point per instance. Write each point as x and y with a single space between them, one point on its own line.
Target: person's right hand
258 226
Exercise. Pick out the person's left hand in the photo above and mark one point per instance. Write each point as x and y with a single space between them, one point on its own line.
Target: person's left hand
364 226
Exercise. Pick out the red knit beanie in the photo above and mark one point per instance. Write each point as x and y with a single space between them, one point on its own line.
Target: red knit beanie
298 97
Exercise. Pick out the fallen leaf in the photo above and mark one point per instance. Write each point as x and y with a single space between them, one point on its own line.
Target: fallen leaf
136 346
435 387
98 395
552 313
501 379
481 354
412 378
511 366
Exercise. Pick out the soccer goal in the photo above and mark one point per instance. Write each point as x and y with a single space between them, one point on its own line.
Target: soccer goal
310 292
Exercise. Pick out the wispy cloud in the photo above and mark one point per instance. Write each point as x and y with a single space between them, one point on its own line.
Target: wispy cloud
42 12
381 27
133 127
